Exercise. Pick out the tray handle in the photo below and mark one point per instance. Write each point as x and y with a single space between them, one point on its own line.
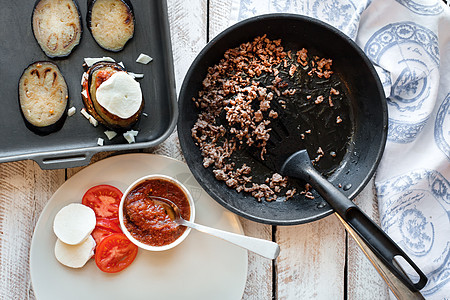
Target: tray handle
63 159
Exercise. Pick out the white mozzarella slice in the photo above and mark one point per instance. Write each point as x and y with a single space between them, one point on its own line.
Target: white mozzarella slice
120 94
74 223
75 256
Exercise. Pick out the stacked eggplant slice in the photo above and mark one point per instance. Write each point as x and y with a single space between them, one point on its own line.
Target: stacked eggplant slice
57 26
111 23
43 97
112 96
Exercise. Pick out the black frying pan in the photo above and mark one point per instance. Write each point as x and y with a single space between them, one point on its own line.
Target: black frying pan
366 102
365 107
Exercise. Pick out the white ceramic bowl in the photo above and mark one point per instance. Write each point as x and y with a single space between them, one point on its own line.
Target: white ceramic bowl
141 244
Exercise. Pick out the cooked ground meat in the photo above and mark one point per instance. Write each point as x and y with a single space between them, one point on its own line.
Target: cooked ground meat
319 99
238 103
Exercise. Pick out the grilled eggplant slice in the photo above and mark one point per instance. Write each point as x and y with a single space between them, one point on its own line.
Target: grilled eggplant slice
94 77
43 97
57 26
111 23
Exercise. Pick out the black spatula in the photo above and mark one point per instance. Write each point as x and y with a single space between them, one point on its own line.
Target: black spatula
287 156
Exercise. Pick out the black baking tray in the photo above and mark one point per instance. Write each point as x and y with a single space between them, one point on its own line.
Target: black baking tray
75 143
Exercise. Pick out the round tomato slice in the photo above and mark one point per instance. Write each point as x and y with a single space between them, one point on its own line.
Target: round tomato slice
104 228
99 234
109 223
115 253
104 200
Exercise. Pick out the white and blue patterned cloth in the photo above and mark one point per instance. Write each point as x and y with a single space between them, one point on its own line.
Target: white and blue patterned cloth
408 41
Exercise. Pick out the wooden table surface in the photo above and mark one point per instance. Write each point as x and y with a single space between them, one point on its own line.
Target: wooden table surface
317 260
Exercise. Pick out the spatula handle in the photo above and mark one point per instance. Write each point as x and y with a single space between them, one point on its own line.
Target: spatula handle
380 243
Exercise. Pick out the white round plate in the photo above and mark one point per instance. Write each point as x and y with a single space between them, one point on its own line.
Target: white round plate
201 267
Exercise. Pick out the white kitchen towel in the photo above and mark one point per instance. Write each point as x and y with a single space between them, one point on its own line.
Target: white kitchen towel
408 41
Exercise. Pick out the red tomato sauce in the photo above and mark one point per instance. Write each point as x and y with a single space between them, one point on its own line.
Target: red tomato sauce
149 223
102 76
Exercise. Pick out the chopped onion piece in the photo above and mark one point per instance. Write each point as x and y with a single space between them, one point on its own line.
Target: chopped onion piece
93 121
85 113
71 111
136 75
84 78
110 134
92 60
100 141
144 59
130 135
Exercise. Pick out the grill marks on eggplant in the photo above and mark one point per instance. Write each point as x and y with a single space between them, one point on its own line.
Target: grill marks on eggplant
57 26
111 23
43 97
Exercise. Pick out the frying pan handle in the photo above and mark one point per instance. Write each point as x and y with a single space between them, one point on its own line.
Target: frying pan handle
380 243
401 291
384 247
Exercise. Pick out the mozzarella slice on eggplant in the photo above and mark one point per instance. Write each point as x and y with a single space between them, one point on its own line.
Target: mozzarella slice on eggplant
75 256
111 23
120 94
74 223
120 97
43 96
57 26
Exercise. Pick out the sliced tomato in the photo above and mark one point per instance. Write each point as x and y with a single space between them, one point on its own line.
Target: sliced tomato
104 228
109 223
99 234
104 200
115 253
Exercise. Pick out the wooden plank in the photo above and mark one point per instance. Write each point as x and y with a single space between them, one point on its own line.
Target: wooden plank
188 29
24 191
364 282
260 280
312 260
219 16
